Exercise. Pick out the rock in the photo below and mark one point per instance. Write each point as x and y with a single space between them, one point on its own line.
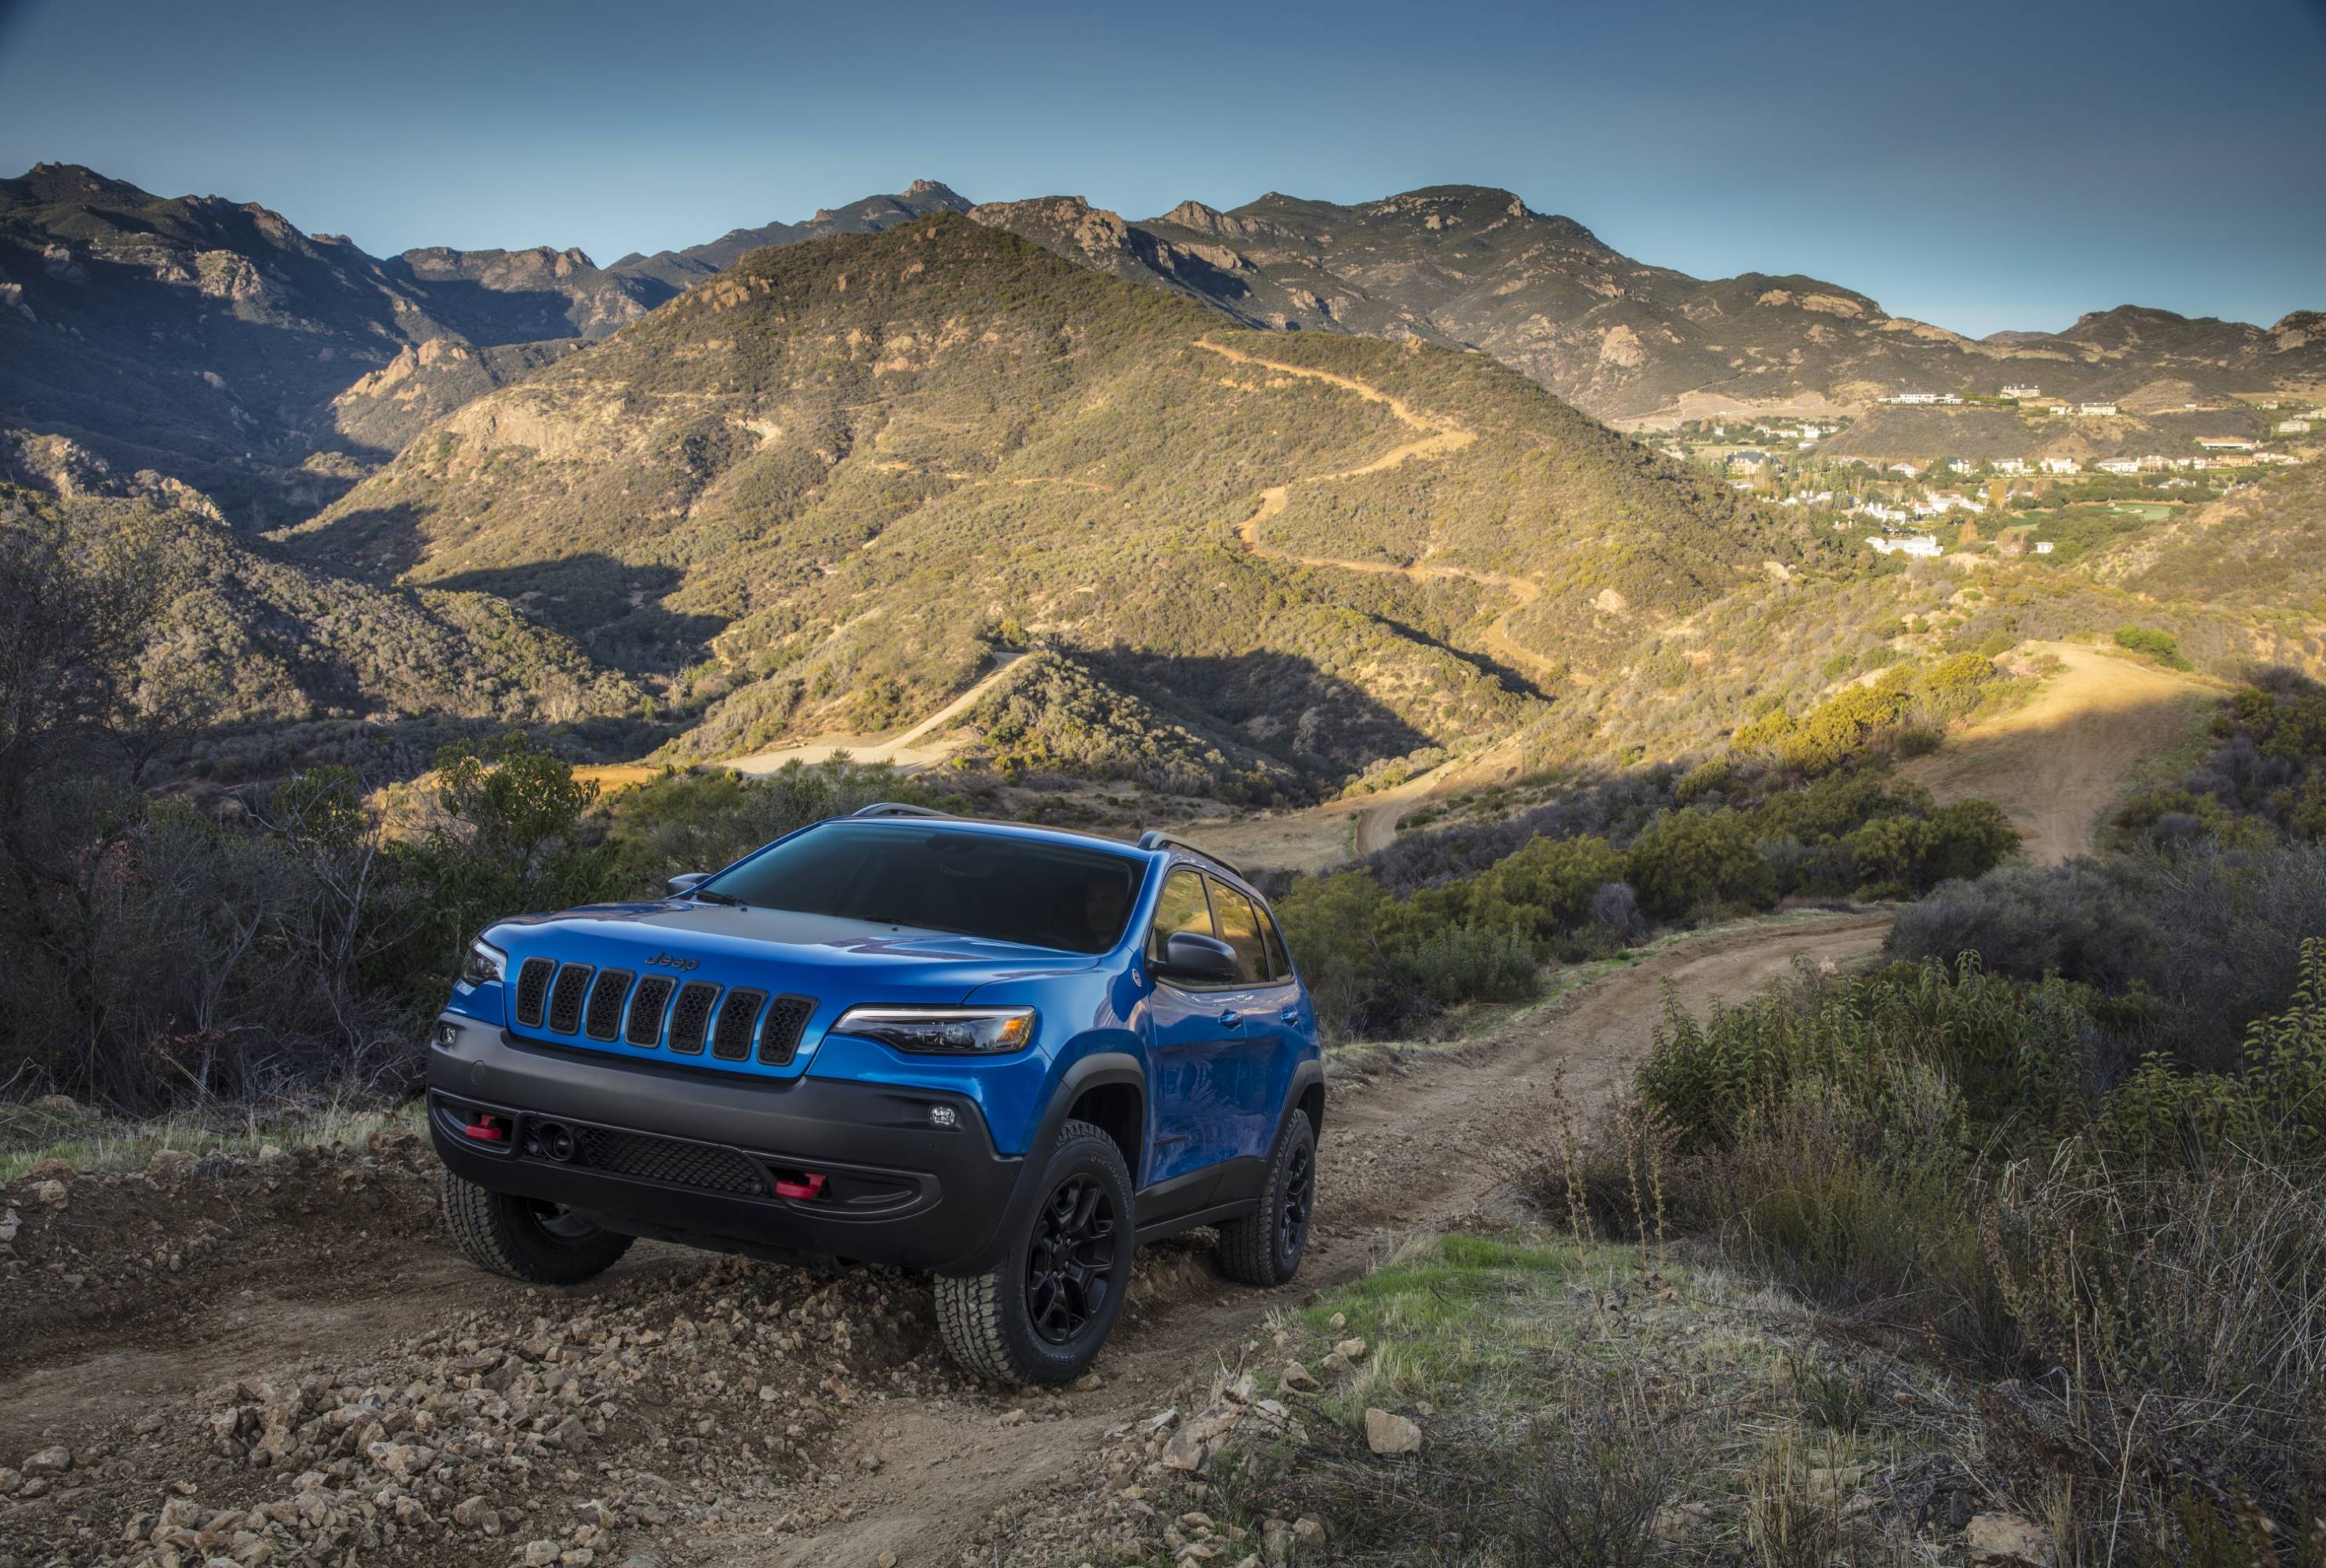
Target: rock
1307 1532
1354 1350
1387 1433
9 1225
1339 1366
53 1460
51 1192
1338 1321
1244 1389
885 1560
170 1162
9 1482
539 1554
58 1105
1089 1383
1192 1446
475 1514
2005 1540
1298 1379
1681 1521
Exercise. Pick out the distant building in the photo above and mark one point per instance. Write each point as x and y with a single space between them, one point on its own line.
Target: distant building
2022 392
2283 459
2043 547
1909 470
1924 544
2293 427
1750 461
2063 466
2062 408
2117 466
2011 465
2225 444
1956 466
1914 397
2153 463
2096 410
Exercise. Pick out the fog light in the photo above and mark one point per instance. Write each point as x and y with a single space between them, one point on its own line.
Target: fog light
941 1115
447 1036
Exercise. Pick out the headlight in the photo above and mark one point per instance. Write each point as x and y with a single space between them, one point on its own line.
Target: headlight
484 963
951 1031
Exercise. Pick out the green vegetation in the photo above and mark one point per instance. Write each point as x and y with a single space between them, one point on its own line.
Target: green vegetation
2161 647
1903 702
1427 926
2264 777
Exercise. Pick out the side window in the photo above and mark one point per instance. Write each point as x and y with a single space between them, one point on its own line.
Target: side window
1179 907
1239 929
1279 965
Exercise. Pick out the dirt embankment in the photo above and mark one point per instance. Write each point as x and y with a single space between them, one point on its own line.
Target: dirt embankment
317 1378
2060 764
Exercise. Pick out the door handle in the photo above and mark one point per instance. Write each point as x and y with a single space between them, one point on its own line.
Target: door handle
1290 1015
1230 1018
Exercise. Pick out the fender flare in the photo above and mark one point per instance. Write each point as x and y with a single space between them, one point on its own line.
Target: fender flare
1307 1076
1094 1070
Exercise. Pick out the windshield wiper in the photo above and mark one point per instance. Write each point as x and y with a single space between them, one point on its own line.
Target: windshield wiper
707 896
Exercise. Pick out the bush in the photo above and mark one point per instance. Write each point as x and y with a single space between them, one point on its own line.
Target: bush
2161 647
1689 859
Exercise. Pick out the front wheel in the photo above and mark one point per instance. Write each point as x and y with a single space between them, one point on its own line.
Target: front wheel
1042 1312
1265 1249
524 1239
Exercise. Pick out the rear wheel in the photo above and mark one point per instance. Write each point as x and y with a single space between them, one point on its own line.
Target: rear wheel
526 1239
1266 1248
1040 1315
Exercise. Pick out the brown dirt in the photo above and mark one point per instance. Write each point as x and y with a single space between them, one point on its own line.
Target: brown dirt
2062 762
331 1269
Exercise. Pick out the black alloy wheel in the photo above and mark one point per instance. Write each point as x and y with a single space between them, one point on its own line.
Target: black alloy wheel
1070 1264
1300 1200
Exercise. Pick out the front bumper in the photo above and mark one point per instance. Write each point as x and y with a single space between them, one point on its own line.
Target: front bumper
655 1150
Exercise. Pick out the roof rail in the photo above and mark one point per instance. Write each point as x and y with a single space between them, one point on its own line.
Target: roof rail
1157 839
897 809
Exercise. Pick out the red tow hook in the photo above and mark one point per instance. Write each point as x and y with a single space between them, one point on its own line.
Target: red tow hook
811 1185
487 1129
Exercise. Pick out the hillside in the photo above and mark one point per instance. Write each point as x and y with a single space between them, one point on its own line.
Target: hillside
1629 342
815 494
210 340
254 652
680 269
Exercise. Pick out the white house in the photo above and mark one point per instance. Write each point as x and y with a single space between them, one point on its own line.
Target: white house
2022 392
1956 466
2063 466
2117 466
1913 397
2011 465
2293 427
2043 547
2226 443
1909 470
1922 544
2096 410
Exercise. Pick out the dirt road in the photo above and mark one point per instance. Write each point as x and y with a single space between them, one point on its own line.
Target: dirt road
903 749
2060 764
686 1410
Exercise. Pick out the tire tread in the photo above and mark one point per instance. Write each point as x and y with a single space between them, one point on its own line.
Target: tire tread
495 1234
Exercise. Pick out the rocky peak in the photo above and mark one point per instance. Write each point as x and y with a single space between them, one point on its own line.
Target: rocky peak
931 190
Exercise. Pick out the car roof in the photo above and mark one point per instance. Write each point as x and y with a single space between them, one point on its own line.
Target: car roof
1152 845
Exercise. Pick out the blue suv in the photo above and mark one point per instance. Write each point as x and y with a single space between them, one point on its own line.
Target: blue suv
1005 1054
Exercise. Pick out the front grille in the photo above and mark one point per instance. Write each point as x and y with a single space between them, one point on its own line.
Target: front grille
604 1019
533 989
645 1027
732 1041
779 1036
689 1017
565 998
672 1160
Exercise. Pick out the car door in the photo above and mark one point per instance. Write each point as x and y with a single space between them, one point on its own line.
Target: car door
1191 1056
1262 1059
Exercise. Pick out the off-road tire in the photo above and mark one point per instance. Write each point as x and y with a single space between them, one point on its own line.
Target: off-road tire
986 1318
1262 1250
510 1235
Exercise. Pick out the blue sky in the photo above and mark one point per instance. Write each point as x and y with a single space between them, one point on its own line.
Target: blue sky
1982 165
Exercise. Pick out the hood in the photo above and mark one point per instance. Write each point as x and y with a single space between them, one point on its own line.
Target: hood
843 961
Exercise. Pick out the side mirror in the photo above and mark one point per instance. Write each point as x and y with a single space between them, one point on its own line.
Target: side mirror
686 882
1190 955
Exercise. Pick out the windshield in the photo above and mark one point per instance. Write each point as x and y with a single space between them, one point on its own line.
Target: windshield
948 879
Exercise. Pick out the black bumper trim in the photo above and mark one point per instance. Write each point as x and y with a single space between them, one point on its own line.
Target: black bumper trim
900 1192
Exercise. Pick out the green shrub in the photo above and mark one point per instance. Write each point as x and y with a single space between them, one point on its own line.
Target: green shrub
2161 647
1689 859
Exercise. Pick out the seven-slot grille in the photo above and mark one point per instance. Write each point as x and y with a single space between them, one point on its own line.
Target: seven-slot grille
533 989
578 998
565 998
731 1041
678 1161
688 1019
779 1036
602 1020
653 994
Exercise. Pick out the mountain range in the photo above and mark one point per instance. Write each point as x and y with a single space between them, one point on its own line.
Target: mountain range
217 342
